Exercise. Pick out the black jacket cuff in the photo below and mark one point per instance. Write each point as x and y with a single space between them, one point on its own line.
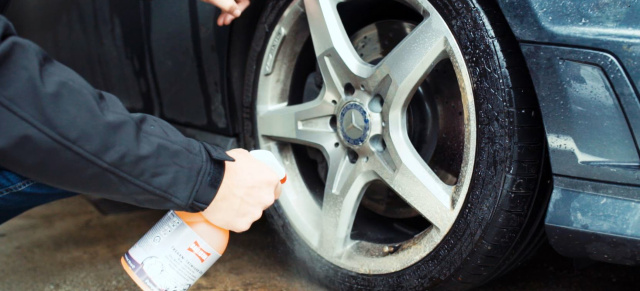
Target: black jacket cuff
214 172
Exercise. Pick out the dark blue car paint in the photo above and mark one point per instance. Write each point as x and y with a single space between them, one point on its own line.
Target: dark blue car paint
605 25
580 94
595 220
584 60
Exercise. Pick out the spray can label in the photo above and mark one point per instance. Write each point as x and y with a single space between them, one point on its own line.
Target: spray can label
171 256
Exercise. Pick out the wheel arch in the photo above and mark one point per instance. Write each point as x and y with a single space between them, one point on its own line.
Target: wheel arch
239 36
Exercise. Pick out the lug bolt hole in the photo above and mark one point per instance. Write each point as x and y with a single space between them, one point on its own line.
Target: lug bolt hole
334 102
349 90
336 144
362 87
376 103
353 156
377 143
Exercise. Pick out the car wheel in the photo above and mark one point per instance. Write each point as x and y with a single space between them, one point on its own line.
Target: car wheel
410 134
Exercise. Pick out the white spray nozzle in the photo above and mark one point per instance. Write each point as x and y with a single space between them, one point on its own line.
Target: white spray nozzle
268 158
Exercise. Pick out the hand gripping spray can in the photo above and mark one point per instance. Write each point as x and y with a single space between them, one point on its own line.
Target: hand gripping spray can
182 246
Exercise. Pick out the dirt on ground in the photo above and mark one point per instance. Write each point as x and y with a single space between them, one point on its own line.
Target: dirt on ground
68 245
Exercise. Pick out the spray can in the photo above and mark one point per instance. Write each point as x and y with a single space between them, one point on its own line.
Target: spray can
182 246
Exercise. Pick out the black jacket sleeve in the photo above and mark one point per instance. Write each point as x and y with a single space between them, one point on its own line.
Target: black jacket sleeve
57 129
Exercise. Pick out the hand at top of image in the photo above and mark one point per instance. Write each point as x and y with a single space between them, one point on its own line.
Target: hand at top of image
230 9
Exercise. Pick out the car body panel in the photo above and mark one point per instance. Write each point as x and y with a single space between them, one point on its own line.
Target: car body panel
593 220
610 26
584 60
580 94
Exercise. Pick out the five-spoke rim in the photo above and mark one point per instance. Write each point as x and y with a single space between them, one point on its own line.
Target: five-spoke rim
348 80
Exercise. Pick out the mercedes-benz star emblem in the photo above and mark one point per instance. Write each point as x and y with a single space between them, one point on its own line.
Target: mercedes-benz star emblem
354 123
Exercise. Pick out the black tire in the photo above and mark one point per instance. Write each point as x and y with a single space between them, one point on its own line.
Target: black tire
501 221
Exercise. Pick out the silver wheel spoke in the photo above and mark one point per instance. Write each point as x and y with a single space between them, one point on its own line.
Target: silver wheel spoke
419 188
334 51
411 60
401 71
343 191
418 185
307 123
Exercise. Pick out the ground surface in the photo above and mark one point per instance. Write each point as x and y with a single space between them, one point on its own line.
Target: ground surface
67 245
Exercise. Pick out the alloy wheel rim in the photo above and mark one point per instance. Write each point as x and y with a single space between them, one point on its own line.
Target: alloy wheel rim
350 86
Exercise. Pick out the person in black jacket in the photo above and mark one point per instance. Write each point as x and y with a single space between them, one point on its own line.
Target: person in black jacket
59 136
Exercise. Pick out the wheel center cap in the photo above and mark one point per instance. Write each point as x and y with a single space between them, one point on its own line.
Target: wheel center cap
354 123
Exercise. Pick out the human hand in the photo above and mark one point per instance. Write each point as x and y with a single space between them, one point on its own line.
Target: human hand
230 9
248 187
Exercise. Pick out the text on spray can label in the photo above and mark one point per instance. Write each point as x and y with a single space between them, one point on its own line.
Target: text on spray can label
171 256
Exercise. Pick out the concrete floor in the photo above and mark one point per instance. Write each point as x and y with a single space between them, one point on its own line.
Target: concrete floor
68 245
